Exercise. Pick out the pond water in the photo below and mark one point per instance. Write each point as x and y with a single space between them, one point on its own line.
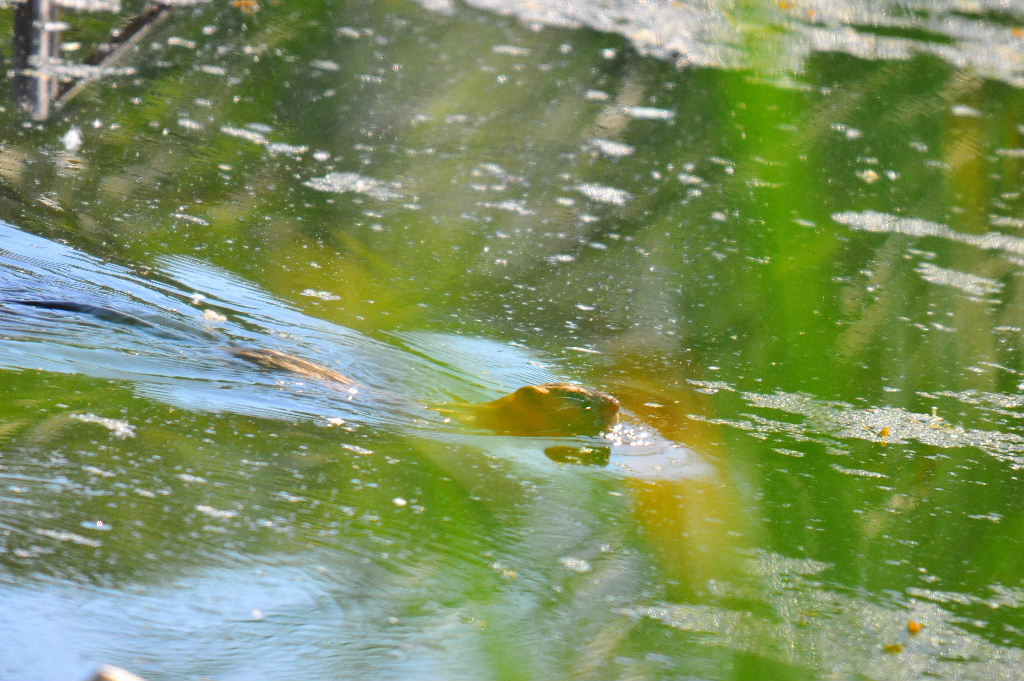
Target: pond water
787 236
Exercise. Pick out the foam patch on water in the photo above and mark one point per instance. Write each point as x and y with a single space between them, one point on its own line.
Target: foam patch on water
648 113
968 283
342 183
885 223
118 428
613 148
257 137
873 424
604 194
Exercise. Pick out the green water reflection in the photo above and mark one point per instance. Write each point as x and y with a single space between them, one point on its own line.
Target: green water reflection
786 236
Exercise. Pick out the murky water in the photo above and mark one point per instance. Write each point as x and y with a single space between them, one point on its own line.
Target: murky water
787 236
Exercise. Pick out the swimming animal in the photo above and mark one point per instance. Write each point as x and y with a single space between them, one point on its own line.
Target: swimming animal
547 409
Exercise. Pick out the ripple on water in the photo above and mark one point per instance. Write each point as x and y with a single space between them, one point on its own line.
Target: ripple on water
395 381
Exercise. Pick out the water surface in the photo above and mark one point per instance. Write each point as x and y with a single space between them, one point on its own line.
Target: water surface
787 236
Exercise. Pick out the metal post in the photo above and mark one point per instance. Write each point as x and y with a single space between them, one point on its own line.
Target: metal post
36 46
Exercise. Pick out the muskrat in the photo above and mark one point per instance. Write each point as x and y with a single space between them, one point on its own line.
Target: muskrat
547 409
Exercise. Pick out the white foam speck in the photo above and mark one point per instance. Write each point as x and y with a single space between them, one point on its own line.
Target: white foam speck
858 472
874 221
212 69
511 50
575 564
968 283
118 428
177 41
613 148
604 193
286 149
72 139
190 218
259 138
356 449
340 183
214 316
322 295
511 206
649 113
965 111
440 6
63 535
216 512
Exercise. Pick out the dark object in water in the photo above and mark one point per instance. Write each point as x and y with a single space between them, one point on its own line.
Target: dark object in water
548 409
108 314
551 409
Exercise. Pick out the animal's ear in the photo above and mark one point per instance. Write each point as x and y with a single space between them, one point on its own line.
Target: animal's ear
532 392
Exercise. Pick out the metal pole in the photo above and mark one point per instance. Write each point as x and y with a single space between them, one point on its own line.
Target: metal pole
36 45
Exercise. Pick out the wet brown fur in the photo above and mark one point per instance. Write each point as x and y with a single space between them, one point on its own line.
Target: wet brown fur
275 359
552 409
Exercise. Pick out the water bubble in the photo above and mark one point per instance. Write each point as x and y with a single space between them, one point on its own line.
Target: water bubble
96 525
575 564
72 139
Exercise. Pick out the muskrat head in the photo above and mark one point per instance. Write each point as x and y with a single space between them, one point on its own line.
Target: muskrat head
556 409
